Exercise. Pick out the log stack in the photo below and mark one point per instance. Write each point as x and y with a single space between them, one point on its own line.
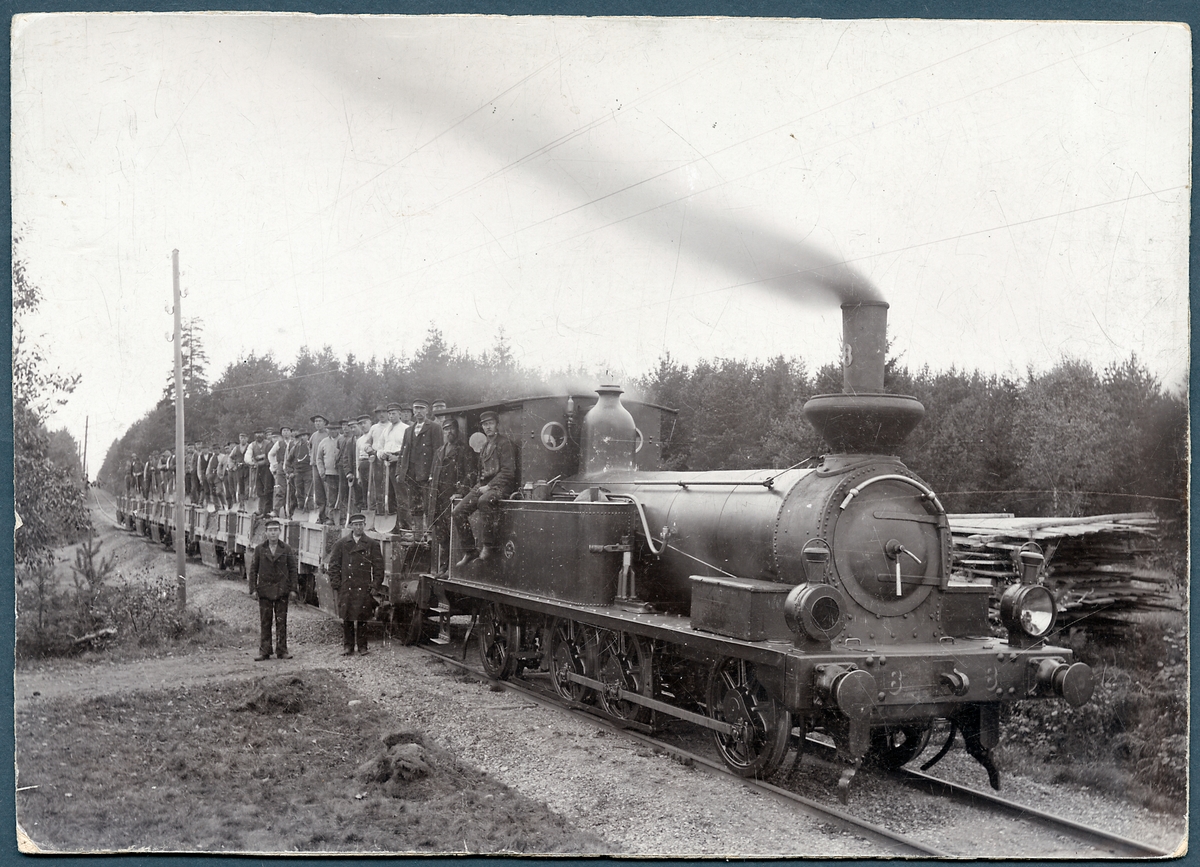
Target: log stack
1098 565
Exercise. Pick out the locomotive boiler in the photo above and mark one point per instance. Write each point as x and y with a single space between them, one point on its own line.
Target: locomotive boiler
761 604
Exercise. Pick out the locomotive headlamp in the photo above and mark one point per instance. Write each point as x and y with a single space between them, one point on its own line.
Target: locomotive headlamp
814 610
1028 610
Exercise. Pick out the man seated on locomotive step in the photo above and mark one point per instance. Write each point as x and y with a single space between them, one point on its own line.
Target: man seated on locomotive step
497 479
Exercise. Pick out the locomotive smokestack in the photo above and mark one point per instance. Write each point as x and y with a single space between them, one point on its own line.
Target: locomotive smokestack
864 346
863 418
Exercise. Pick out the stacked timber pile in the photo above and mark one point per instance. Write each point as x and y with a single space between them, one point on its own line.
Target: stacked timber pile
1095 564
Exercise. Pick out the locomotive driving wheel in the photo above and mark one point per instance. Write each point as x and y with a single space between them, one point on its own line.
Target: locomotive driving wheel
896 745
499 641
573 651
735 696
624 664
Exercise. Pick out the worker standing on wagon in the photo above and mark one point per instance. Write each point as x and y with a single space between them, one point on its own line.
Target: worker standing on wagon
421 440
325 463
272 577
497 479
393 446
356 576
447 478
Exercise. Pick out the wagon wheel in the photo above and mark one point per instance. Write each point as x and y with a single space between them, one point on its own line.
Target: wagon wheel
896 745
572 650
624 664
409 621
499 640
735 696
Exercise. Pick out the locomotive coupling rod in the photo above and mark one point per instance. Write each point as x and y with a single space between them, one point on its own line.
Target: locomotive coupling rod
669 709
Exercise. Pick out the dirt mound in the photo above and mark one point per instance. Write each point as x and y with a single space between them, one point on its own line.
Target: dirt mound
275 694
406 759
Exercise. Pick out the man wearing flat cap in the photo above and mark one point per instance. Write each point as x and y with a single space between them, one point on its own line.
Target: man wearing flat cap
396 495
362 464
325 460
447 477
272 577
421 440
356 576
497 479
377 478
320 432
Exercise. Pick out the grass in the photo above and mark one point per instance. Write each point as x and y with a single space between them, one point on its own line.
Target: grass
1131 739
281 764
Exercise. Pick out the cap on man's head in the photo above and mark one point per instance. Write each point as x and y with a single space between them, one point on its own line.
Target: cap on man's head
420 402
439 402
449 422
313 418
247 436
258 433
270 431
380 409
394 407
488 415
365 417
273 522
358 518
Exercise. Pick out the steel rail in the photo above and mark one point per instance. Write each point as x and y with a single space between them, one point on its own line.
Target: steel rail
897 843
1118 846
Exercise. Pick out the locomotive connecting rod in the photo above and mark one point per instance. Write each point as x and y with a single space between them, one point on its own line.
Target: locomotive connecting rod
669 709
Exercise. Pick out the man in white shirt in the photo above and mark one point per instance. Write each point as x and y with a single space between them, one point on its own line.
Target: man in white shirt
393 447
377 477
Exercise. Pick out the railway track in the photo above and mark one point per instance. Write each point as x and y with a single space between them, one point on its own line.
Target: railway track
1114 845
891 841
1093 842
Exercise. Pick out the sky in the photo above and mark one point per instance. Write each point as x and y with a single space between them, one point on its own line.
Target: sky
605 191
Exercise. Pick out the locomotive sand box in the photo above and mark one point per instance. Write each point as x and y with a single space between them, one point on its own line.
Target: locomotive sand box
763 605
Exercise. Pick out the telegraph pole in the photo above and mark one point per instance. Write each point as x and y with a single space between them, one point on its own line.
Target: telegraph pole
83 457
180 554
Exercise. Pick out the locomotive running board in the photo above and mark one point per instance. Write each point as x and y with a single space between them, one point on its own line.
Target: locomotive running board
654 704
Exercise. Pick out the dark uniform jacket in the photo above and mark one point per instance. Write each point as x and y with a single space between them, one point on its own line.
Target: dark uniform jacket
355 573
449 471
498 464
418 450
272 576
347 460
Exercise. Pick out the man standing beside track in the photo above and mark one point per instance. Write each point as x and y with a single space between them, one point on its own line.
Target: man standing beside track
356 576
272 574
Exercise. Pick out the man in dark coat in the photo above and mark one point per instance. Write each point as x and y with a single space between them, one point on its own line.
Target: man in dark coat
497 479
356 576
272 577
421 440
447 478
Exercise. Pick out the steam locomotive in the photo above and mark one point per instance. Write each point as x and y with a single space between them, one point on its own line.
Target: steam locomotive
762 605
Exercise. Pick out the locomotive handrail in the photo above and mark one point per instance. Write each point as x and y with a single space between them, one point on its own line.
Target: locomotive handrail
645 524
927 493
763 483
